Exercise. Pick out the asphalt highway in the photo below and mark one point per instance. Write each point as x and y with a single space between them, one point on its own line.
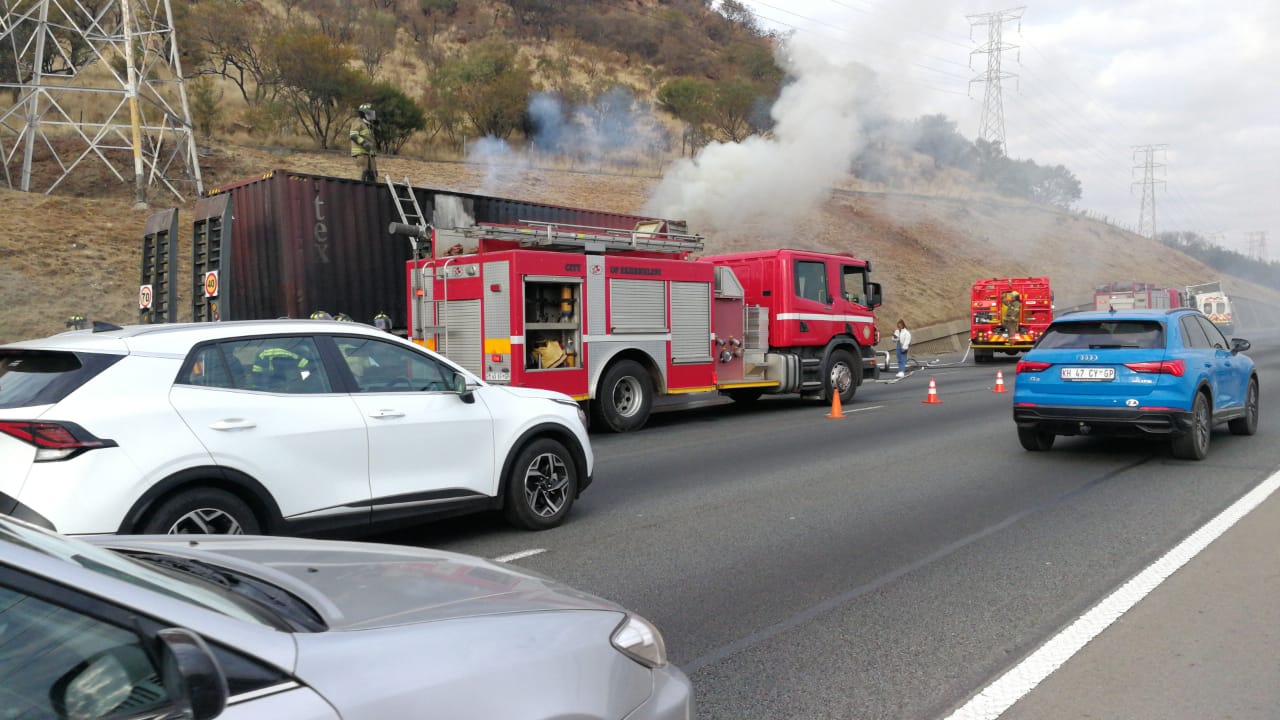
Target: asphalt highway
885 565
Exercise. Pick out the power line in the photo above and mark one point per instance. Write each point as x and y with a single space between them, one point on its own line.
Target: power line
843 42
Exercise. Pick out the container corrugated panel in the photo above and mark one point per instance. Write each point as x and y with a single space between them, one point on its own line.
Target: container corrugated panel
637 306
500 210
308 242
690 322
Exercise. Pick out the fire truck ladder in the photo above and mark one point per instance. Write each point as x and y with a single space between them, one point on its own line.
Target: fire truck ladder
589 238
406 202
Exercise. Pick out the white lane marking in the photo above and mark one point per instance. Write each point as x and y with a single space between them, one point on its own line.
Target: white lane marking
519 555
864 409
1023 678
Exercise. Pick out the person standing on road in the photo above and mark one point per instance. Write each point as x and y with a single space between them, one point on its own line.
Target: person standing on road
901 342
363 143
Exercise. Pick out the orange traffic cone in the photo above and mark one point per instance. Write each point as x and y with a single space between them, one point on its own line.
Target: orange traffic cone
932 398
999 388
836 412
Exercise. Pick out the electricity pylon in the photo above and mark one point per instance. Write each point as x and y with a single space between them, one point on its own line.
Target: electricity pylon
1147 214
95 78
1257 245
992 124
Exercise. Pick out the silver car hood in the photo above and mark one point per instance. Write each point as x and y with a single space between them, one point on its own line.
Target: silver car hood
365 585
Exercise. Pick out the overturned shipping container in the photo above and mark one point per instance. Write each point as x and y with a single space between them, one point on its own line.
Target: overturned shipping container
288 244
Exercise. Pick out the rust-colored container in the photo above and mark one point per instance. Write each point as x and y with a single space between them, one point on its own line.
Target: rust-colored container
288 244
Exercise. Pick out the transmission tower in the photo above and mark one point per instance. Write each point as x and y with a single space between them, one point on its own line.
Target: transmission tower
1149 166
1257 245
77 97
992 127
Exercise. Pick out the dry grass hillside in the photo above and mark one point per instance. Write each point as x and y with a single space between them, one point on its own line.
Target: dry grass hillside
78 252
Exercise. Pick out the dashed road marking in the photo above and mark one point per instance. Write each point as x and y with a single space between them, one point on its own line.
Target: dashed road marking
1024 677
511 557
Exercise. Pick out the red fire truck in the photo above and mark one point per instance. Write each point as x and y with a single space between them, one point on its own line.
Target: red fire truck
1131 295
615 318
1008 315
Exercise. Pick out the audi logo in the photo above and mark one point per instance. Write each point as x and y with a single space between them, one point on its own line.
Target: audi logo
1086 357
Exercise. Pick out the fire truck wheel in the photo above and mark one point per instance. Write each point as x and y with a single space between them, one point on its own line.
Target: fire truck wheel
982 356
745 396
624 397
542 486
839 375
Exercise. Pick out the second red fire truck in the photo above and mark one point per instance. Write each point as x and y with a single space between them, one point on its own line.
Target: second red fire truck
1008 315
616 318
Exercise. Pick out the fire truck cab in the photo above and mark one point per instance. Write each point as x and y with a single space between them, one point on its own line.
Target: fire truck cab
1008 315
615 318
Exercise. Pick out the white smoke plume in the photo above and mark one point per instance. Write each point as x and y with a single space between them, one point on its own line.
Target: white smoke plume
614 126
771 182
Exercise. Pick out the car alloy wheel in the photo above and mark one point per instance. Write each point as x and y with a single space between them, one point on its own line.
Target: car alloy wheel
546 485
201 510
1194 444
206 521
1248 424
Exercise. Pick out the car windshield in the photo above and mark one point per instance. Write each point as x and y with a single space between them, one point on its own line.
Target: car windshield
115 565
1103 334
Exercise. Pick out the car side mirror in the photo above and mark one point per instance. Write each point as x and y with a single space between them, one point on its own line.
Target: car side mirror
191 674
874 299
1239 345
466 391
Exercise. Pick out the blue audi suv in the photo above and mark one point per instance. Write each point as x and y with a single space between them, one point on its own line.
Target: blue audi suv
1167 373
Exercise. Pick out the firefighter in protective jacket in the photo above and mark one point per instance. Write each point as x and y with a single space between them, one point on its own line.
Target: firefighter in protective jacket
363 144
1012 313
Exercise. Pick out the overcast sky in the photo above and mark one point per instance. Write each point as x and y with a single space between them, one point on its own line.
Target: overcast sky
1095 79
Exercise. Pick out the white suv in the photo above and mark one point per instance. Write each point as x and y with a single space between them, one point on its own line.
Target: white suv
279 427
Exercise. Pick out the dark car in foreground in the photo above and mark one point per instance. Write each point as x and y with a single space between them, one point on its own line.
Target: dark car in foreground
250 627
1167 373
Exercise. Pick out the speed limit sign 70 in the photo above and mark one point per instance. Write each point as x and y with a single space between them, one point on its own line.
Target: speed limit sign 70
144 297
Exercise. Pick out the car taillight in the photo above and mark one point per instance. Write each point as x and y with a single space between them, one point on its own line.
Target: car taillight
54 440
1163 367
1031 366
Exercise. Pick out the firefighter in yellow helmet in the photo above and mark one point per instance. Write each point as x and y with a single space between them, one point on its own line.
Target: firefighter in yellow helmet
1012 313
382 321
279 370
364 143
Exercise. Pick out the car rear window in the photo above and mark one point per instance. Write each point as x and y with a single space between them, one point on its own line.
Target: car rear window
1103 334
44 377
